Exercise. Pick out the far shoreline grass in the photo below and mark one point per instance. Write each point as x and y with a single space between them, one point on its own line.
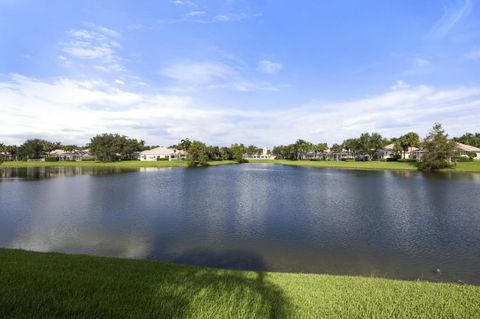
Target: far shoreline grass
350 165
45 285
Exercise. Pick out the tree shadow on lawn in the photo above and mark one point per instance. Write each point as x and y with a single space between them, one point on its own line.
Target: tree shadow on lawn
74 286
225 293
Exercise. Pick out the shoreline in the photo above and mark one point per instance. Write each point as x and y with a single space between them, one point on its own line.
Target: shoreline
464 167
69 285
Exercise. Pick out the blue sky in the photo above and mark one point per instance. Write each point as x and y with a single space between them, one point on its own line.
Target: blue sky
263 72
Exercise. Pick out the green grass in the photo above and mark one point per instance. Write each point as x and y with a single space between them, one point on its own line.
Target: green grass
372 165
48 285
119 164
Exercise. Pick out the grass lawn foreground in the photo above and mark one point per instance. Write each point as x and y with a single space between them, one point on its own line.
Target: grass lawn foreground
47 285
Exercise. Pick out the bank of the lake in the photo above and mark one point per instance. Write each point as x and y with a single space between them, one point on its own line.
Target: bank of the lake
40 285
117 164
368 165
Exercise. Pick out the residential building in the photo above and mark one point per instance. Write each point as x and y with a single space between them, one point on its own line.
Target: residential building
162 153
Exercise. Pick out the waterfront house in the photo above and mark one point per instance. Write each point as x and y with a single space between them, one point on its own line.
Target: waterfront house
463 150
74 155
162 153
390 152
265 154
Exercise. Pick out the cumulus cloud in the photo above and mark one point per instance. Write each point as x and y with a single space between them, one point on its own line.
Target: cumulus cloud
269 67
72 111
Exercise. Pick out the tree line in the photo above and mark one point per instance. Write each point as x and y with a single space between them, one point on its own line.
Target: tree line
438 149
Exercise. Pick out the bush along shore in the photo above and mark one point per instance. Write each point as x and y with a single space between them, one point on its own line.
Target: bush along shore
47 285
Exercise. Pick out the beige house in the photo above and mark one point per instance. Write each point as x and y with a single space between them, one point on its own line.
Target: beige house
75 155
389 151
463 150
162 153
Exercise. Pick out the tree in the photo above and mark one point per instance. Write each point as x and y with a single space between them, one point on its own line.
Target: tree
35 148
438 150
376 143
197 154
226 153
109 147
302 147
351 145
252 150
469 139
238 150
405 142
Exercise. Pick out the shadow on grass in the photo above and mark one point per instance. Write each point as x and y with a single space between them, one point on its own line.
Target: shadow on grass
56 285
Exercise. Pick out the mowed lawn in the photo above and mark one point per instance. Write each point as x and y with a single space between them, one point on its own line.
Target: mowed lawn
371 165
48 285
119 164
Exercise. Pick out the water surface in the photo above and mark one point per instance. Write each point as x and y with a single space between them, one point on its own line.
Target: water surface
402 225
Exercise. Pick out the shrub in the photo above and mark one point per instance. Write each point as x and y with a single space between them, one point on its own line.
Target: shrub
463 159
87 159
472 155
51 159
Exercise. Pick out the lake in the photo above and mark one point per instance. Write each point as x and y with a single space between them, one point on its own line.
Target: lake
269 217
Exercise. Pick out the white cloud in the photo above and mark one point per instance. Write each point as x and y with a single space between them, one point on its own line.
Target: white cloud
183 3
400 85
453 13
420 62
196 13
269 67
212 75
72 111
98 44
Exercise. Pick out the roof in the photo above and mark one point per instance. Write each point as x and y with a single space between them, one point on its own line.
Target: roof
391 147
57 152
161 151
467 148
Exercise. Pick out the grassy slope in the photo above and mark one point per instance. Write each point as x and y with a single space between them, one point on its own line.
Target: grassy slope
373 165
55 285
122 164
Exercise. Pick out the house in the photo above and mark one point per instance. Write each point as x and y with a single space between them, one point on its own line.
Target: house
389 152
74 155
263 155
6 156
463 150
162 153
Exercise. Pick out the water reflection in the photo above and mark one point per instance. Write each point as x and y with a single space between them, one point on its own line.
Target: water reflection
393 224
60 171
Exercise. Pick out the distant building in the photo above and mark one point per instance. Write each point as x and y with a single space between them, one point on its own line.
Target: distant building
463 150
74 155
265 154
389 151
162 153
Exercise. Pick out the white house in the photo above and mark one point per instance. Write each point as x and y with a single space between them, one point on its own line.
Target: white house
263 155
162 153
